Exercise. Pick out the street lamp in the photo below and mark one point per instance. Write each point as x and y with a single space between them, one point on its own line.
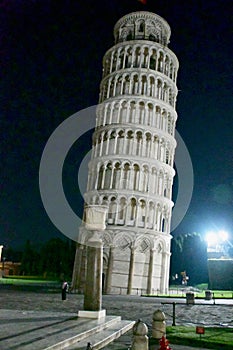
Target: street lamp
217 241
3 266
1 247
2 259
223 235
212 239
219 260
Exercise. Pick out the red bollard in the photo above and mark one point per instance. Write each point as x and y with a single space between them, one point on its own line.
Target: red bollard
164 344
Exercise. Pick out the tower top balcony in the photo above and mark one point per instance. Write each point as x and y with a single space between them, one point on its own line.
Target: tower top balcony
142 25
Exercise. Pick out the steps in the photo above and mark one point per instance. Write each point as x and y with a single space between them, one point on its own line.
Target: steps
54 331
102 338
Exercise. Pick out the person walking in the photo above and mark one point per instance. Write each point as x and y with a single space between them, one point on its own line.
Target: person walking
64 290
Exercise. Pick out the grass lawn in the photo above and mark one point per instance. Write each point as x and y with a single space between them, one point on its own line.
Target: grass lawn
218 294
199 292
26 280
214 337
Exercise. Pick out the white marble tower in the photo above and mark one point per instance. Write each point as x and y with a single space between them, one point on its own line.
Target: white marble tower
131 170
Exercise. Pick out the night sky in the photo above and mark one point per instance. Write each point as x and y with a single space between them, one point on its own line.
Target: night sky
51 67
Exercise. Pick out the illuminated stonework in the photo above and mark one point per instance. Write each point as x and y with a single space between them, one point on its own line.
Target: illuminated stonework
131 170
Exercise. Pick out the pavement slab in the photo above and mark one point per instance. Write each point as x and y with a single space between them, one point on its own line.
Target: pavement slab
26 316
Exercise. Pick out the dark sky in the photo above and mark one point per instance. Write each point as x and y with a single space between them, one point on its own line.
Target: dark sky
51 67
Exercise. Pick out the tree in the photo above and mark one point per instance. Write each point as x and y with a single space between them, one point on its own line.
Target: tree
189 254
11 254
30 258
57 258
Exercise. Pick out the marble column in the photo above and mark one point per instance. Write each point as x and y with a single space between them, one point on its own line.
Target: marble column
77 268
94 223
131 271
164 272
109 271
150 272
93 283
93 286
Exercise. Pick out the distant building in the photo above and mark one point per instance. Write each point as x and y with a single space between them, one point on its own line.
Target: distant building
131 170
9 268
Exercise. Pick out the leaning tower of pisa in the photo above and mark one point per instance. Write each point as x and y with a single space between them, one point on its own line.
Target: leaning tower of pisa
131 169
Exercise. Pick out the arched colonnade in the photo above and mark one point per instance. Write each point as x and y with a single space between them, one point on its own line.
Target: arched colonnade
136 143
140 55
130 176
136 112
141 84
134 211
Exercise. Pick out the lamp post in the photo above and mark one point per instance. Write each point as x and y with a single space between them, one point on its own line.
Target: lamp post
3 266
216 241
1 247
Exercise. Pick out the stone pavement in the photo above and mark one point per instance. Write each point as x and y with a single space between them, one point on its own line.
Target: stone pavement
22 311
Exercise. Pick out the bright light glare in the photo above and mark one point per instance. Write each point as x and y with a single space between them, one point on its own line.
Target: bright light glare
223 235
212 238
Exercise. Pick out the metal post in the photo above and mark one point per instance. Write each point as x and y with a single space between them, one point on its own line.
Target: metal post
173 314
214 298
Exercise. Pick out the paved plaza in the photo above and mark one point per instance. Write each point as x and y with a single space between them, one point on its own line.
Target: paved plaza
22 310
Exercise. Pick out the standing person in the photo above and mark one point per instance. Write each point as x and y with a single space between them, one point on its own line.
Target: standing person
64 290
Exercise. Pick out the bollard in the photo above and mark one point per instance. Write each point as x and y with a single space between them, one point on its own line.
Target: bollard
140 338
208 295
164 344
214 298
190 298
158 325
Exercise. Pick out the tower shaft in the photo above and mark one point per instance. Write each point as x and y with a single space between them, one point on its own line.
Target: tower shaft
131 169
